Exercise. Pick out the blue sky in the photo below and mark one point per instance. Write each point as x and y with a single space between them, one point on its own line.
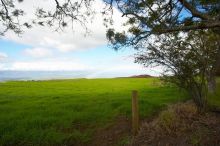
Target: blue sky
41 48
102 61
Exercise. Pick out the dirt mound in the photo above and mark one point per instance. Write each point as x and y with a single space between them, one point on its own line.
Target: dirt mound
180 125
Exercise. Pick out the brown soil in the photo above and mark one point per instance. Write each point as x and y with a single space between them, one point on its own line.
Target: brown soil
180 125
112 135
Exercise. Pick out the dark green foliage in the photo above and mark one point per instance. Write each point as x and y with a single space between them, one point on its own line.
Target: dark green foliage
189 61
147 17
168 33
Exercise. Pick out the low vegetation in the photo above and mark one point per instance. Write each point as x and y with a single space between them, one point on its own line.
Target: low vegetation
60 112
181 124
73 112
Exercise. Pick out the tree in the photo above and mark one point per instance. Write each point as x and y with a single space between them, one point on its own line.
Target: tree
145 16
9 17
188 61
218 72
65 12
148 17
156 17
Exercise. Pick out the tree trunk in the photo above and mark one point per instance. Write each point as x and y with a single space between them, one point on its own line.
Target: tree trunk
218 72
218 63
199 95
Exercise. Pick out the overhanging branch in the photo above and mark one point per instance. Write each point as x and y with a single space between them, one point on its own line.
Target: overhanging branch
194 11
6 9
210 25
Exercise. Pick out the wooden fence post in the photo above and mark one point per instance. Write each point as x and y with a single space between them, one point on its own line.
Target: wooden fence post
135 114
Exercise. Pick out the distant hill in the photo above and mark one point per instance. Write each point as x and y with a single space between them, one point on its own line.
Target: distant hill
138 76
141 76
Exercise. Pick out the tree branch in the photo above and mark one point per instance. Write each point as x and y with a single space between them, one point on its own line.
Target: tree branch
209 25
6 9
194 11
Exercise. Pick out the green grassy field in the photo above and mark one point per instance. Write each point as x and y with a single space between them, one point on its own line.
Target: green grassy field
48 112
214 99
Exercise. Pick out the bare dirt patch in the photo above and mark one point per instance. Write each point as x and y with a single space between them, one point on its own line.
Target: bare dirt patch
113 134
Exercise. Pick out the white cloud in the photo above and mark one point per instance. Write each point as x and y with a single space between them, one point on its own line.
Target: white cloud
47 66
38 52
70 39
3 56
42 41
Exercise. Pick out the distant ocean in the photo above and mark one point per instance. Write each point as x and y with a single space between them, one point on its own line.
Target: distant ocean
41 75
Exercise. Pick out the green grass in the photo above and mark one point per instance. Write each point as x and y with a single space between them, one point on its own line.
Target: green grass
59 112
214 99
